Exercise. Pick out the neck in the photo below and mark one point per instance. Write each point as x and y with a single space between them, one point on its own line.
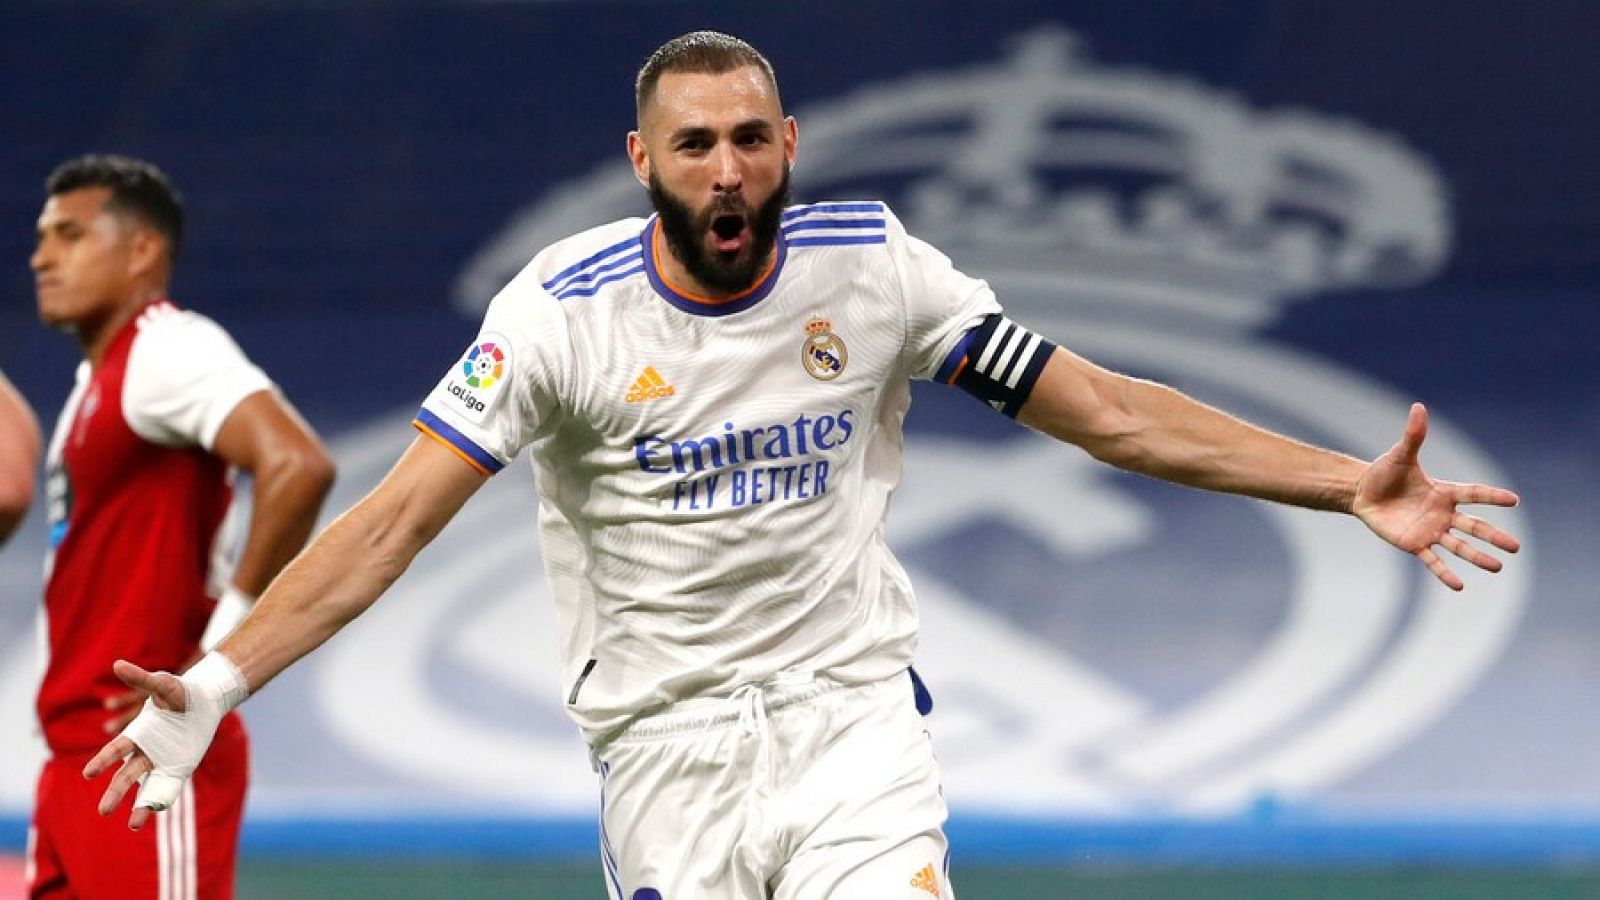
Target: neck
95 336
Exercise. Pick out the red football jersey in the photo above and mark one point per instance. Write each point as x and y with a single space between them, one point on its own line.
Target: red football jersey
136 505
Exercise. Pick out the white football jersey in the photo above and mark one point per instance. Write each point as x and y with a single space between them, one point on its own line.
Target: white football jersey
713 477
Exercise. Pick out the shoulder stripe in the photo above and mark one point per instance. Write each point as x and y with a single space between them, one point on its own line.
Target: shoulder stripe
836 224
590 277
590 260
838 240
590 290
815 209
816 224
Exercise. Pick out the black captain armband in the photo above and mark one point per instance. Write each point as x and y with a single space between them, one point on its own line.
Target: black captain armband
998 362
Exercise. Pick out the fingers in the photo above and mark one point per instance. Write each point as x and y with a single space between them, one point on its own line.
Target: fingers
133 676
137 766
1410 444
108 755
1483 531
1440 571
140 816
1477 528
170 694
165 688
1469 553
159 791
1483 493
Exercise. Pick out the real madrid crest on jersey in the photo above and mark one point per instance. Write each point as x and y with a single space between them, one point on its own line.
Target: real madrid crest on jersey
823 352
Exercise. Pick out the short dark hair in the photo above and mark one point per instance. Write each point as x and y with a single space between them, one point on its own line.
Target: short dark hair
137 188
709 52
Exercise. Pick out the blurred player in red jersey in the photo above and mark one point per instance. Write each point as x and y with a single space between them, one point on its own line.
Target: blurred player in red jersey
19 457
140 465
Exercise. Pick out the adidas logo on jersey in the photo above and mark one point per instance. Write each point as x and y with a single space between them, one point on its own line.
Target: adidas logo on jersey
926 880
649 386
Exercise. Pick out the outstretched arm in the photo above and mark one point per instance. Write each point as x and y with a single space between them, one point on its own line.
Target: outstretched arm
338 577
1152 429
352 562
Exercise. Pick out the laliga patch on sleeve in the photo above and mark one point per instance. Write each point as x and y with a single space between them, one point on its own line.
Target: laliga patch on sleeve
476 383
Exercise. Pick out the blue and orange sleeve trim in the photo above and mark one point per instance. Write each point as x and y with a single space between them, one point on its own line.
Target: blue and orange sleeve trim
458 443
956 360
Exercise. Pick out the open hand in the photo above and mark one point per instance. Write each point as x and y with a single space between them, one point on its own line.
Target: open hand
124 706
166 692
1409 509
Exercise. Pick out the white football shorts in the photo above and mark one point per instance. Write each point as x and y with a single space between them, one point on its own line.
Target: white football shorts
798 789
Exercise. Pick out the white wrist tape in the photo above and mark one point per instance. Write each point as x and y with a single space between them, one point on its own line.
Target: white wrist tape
175 742
232 607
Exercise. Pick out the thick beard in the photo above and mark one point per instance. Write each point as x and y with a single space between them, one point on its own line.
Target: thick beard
722 273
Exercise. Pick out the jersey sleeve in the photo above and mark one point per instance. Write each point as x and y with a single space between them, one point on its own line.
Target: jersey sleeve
942 303
503 392
184 376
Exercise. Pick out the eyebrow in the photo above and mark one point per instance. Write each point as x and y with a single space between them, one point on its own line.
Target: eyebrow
41 227
748 126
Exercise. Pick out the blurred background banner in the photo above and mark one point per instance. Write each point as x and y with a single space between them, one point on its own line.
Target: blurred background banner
1309 214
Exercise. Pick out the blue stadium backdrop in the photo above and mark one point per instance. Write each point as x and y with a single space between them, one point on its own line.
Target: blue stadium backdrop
1310 214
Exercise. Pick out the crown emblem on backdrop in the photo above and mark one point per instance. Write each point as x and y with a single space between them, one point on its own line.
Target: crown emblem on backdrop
818 325
1129 180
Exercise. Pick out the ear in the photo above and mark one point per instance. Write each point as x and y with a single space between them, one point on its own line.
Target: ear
791 139
147 253
640 157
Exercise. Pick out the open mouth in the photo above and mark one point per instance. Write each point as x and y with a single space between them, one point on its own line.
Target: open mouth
727 231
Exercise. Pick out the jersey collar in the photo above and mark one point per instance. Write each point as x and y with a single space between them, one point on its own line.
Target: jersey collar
705 306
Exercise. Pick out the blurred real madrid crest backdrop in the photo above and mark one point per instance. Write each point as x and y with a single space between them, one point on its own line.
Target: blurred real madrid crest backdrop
1308 213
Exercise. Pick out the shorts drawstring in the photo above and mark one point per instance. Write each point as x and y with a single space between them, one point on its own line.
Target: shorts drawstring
752 702
752 708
